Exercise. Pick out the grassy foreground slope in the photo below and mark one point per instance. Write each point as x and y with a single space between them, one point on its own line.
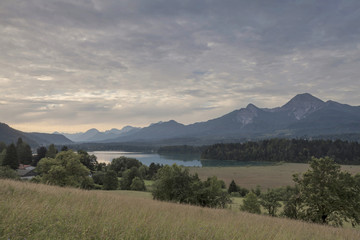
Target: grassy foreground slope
272 176
34 211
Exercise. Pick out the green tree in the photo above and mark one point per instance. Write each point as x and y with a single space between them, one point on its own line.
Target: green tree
257 191
2 156
270 201
251 204
10 158
89 161
292 202
121 164
87 183
243 191
233 187
173 183
63 170
51 152
128 176
143 169
110 181
153 169
2 146
19 141
211 194
64 148
24 152
40 154
137 184
99 177
327 194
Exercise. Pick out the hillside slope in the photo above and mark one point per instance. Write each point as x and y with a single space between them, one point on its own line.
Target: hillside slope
10 135
35 211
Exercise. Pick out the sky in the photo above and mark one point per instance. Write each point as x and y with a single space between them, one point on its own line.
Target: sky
70 65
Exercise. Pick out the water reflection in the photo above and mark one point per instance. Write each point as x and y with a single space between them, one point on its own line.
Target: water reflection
147 159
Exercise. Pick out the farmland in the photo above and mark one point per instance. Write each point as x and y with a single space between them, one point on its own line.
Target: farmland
265 176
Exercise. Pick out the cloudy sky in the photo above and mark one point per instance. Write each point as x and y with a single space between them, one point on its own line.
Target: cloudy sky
70 65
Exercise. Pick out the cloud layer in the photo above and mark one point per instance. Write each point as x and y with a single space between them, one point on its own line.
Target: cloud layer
71 65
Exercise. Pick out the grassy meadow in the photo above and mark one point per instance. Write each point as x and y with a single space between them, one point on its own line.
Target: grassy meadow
265 176
35 211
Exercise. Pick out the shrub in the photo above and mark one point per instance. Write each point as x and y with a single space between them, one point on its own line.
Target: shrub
251 204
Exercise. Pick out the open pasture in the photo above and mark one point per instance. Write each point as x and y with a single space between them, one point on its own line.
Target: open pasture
265 176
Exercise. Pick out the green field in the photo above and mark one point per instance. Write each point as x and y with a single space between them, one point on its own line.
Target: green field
35 211
264 176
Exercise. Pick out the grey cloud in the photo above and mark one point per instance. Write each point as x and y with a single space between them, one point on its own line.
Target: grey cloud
116 61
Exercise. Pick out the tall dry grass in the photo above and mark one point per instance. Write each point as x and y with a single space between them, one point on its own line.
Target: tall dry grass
34 211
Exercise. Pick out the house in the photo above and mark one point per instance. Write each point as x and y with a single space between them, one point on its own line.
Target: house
26 172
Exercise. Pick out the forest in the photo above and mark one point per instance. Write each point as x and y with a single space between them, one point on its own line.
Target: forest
285 150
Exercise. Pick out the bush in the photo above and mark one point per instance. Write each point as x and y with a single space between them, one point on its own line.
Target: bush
251 204
7 172
138 184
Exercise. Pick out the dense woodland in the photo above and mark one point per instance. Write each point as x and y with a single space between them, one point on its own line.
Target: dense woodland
182 149
285 150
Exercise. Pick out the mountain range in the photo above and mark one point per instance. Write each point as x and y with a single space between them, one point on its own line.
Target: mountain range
10 135
94 135
303 116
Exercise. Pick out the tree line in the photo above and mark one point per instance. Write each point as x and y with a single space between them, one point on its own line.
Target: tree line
277 150
11 156
180 149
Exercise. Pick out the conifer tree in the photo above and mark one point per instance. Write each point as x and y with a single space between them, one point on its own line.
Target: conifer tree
51 152
10 158
233 187
23 151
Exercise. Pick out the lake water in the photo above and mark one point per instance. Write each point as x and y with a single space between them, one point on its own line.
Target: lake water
180 159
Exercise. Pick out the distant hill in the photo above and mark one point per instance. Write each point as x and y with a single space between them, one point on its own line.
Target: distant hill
10 135
303 116
94 135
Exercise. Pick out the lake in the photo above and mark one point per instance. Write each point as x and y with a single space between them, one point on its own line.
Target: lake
188 160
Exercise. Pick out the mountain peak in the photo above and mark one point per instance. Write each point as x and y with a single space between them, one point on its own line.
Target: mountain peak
171 123
302 104
92 130
251 106
305 97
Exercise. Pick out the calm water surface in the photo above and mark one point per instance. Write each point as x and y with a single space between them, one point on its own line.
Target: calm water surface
147 159
180 159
